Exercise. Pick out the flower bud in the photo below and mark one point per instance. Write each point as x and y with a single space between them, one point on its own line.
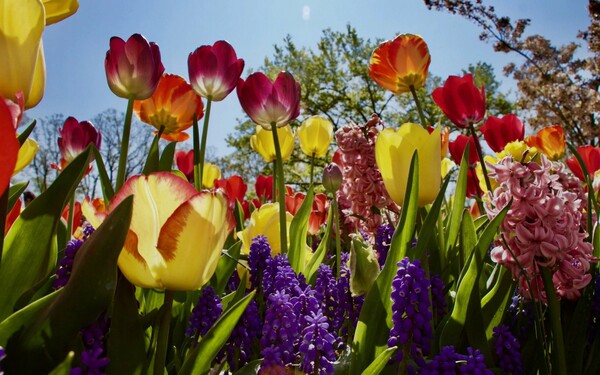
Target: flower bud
332 178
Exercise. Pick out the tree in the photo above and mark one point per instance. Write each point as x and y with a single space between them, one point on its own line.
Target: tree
555 85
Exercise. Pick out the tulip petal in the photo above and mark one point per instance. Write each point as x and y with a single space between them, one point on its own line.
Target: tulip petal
58 10
9 146
26 154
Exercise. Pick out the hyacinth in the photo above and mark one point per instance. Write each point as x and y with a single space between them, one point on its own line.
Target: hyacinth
362 188
442 364
474 363
2 356
438 296
259 256
93 355
280 331
317 347
411 315
305 304
544 225
507 347
63 273
279 276
206 312
383 240
326 293
246 331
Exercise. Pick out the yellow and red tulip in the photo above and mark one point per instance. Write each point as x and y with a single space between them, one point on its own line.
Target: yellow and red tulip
214 70
549 140
270 103
500 131
398 64
176 233
210 173
460 100
393 153
315 136
262 142
133 68
172 107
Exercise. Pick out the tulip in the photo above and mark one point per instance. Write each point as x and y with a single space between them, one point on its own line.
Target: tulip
393 152
74 137
499 131
235 187
447 166
270 103
591 158
315 135
318 215
209 175
214 70
8 144
398 64
185 163
457 149
26 154
332 178
550 140
445 141
264 187
171 108
264 221
133 68
460 100
262 142
176 233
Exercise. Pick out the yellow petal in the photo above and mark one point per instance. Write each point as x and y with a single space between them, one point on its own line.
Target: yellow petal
315 135
26 154
210 173
58 10
264 221
38 84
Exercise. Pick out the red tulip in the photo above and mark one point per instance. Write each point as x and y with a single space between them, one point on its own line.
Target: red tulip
500 131
591 158
185 163
264 188
473 189
12 215
77 215
235 187
133 68
457 149
460 100
74 137
318 215
214 70
270 103
8 142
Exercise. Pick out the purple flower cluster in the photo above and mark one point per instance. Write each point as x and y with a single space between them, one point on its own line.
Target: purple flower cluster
63 273
280 331
93 356
2 356
411 313
279 276
438 296
246 331
317 347
383 240
507 347
448 362
260 254
326 294
206 312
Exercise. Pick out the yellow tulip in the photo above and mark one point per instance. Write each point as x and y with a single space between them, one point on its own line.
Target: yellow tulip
447 165
22 64
176 234
264 221
262 142
315 135
26 154
393 152
210 173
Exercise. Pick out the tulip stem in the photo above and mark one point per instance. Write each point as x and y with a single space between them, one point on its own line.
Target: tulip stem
70 217
418 104
163 333
338 242
480 156
124 145
196 141
312 168
274 186
280 191
199 153
3 213
558 347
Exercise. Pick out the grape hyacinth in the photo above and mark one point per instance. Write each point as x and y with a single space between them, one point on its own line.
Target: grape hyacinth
442 364
260 254
305 304
206 312
507 347
317 347
2 356
474 363
326 294
438 297
246 331
93 356
280 332
411 313
279 276
63 273
383 240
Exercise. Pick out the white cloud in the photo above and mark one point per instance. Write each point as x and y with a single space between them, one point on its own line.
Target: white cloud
306 13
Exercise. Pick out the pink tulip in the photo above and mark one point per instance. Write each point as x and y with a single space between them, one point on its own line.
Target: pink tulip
74 137
214 70
270 103
500 131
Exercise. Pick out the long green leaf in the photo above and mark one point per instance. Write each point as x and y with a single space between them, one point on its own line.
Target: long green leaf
153 159
372 330
30 250
107 188
310 271
380 362
427 234
226 266
27 132
166 158
468 242
65 366
201 357
458 203
298 230
494 302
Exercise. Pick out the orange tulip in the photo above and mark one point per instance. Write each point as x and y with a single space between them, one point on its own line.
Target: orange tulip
550 140
398 64
172 107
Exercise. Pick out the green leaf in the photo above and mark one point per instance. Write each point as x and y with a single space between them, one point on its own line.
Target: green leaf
494 302
468 241
310 270
107 188
578 327
46 338
250 369
15 192
427 234
226 266
298 230
30 246
27 132
166 159
458 203
201 357
236 296
364 267
380 362
152 161
65 366
372 330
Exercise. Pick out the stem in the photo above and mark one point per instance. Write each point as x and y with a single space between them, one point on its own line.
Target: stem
124 145
280 191
312 168
274 197
418 104
3 212
163 334
338 243
200 159
196 141
480 155
70 217
558 347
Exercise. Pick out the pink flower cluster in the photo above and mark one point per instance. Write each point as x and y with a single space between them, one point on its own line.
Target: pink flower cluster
544 226
362 193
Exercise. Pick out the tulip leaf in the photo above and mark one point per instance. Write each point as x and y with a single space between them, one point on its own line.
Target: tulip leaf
225 267
577 328
64 368
231 299
310 270
166 158
374 323
250 369
458 203
152 161
26 133
107 189
200 358
45 339
468 241
30 248
364 267
494 302
15 192
380 362
298 230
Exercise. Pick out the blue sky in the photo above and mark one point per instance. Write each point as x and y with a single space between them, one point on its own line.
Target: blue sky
75 48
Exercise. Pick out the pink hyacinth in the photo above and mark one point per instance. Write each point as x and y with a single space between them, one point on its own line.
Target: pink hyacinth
544 227
362 193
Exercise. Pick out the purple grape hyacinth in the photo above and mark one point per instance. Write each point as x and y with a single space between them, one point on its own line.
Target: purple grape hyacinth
258 258
93 357
206 312
507 347
317 347
246 331
383 240
280 331
63 273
